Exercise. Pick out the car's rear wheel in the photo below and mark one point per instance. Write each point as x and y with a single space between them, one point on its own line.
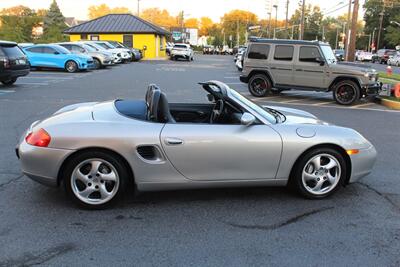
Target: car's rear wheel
95 179
319 173
346 92
9 81
259 85
71 66
97 63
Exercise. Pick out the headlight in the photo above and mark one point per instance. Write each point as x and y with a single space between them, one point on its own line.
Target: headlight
366 75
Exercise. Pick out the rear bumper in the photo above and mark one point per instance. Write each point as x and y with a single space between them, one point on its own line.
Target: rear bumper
41 164
10 74
362 163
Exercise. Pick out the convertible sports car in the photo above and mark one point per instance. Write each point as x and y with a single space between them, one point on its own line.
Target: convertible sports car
98 149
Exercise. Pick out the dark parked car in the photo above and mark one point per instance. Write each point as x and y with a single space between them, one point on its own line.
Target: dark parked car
383 55
339 54
13 63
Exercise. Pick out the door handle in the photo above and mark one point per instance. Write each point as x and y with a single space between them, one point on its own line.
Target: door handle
173 141
299 69
273 68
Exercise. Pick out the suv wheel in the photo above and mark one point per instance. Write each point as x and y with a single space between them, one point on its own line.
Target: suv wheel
346 92
9 82
259 85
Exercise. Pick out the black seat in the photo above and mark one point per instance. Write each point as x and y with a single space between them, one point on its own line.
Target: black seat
157 104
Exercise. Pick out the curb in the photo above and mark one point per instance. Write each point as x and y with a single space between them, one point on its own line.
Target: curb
388 103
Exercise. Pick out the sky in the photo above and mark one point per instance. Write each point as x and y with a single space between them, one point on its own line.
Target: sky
211 8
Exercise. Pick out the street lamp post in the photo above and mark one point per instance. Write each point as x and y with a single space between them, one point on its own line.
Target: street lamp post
276 19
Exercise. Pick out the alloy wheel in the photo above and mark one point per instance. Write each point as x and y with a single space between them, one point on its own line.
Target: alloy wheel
321 174
346 94
95 181
259 86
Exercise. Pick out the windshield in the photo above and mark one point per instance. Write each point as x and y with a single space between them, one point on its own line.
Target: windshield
260 110
95 47
89 48
104 45
328 54
12 51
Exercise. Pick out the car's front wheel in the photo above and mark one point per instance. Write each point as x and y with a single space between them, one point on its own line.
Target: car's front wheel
259 85
346 92
95 179
9 81
319 173
97 63
71 66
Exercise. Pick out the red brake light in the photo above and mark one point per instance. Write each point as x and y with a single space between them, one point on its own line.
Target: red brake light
39 138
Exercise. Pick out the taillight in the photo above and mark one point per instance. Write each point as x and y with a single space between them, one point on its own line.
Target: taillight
38 138
6 63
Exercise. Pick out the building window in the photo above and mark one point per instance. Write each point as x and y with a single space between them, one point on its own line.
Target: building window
283 52
94 37
258 51
84 36
128 40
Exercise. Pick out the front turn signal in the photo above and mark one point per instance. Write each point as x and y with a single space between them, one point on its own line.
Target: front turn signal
352 151
38 138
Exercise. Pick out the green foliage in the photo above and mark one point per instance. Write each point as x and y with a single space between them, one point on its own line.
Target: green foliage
372 9
17 23
54 25
392 35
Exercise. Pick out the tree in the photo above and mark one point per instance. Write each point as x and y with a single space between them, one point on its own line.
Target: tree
192 23
372 11
17 23
54 24
393 33
103 9
159 17
238 21
205 24
312 22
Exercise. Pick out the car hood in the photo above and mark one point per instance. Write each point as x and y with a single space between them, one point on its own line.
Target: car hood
297 116
352 67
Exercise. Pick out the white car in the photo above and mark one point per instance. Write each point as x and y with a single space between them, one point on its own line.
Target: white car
115 55
123 52
394 60
182 51
364 56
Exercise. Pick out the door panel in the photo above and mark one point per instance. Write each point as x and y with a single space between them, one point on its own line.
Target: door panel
308 72
282 64
222 152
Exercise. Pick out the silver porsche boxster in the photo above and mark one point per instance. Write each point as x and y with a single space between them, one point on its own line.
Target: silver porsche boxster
97 150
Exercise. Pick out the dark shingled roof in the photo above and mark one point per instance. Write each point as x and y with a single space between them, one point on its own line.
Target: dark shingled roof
117 23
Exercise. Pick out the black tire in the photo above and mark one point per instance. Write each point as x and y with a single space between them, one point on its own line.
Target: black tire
97 63
346 92
296 181
9 82
115 161
259 85
275 91
71 66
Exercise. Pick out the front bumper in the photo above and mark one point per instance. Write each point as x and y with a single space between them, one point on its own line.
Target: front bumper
373 89
244 79
41 164
362 163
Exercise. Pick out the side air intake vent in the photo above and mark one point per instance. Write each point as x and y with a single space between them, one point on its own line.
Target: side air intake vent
147 152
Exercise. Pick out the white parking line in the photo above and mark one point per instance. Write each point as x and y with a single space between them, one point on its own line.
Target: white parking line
28 83
235 77
47 77
362 105
234 83
323 103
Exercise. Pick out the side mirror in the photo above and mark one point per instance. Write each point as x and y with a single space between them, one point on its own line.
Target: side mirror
247 119
320 61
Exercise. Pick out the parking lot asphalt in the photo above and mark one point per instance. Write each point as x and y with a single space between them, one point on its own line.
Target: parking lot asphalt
359 225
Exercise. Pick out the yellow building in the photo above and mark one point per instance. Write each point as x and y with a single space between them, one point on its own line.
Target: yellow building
128 29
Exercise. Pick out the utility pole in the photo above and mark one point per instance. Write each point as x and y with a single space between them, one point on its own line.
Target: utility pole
287 15
276 19
301 34
380 26
138 8
269 24
353 33
237 33
347 33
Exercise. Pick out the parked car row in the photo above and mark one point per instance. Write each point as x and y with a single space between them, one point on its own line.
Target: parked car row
219 50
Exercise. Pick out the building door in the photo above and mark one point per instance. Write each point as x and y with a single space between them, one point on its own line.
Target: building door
157 45
94 37
128 40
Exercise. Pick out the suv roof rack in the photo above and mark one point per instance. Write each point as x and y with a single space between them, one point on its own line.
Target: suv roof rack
282 41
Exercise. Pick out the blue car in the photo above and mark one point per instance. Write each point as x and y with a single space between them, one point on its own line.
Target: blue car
56 56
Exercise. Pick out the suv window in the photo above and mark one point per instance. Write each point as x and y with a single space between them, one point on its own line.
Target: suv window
48 50
309 54
258 51
66 46
36 49
181 46
283 52
12 51
77 49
